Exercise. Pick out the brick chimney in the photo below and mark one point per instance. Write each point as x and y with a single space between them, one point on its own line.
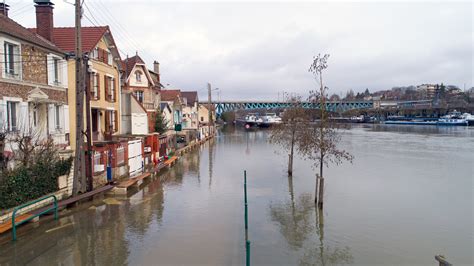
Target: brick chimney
4 9
44 18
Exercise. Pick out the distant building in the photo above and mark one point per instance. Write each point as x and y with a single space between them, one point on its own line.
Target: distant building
431 90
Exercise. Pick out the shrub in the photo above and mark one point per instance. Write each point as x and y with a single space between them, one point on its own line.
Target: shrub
26 183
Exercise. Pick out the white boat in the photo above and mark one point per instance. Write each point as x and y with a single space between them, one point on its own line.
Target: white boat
453 118
270 119
469 118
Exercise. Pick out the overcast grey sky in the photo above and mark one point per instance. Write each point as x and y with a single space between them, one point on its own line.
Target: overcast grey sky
256 50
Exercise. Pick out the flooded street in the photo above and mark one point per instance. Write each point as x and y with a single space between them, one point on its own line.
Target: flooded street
407 196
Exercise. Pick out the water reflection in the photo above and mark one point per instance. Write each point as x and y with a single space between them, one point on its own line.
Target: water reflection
321 254
295 219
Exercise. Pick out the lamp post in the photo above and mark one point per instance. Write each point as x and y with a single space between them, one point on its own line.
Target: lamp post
209 96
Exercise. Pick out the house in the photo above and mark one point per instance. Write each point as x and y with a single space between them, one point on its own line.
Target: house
140 97
33 85
206 127
104 66
103 80
166 112
190 109
174 100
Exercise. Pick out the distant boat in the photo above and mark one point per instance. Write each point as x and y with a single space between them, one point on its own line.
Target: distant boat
469 118
270 119
453 118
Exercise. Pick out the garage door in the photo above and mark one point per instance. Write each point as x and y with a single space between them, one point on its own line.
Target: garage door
135 159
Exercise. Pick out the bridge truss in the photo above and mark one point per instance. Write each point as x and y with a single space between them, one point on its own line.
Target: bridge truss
332 106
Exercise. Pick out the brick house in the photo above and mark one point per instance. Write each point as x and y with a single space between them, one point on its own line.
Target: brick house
33 84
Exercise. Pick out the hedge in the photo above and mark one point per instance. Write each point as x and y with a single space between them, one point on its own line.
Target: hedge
28 183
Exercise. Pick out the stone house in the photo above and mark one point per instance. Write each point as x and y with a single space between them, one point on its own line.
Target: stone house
33 85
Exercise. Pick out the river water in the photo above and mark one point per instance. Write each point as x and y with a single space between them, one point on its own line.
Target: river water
407 196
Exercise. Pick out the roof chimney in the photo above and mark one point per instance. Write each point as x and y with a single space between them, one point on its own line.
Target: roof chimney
44 18
4 9
156 67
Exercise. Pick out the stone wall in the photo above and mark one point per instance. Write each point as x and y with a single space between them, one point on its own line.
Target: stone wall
34 64
10 89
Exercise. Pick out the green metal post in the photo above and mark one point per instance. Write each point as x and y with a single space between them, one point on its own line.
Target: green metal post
247 249
247 242
245 199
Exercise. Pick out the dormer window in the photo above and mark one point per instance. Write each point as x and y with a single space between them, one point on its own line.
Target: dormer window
138 76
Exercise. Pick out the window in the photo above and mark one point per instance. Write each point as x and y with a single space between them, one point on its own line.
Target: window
35 117
111 121
202 118
138 76
110 88
56 70
139 95
11 59
12 116
57 117
95 86
110 58
95 53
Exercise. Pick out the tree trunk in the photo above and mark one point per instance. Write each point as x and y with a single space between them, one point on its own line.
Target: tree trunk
321 184
316 190
290 159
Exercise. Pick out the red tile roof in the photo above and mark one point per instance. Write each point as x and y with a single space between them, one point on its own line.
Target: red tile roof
170 95
129 63
10 27
64 37
191 97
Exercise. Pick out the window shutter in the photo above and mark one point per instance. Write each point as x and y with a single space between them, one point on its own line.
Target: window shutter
3 116
116 120
23 118
98 86
106 87
63 71
107 122
50 67
66 118
51 124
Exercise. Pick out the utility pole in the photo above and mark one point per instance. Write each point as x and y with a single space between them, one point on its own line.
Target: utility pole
89 169
209 107
79 175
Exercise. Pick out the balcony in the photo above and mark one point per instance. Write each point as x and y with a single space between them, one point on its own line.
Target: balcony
148 105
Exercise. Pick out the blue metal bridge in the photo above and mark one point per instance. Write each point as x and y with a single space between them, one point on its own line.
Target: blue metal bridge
332 106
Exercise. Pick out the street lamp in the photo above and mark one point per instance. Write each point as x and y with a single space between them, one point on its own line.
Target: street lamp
209 96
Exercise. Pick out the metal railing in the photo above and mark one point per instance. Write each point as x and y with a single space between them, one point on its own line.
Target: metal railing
55 208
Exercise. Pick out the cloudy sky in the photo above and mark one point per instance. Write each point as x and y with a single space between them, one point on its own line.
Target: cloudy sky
257 50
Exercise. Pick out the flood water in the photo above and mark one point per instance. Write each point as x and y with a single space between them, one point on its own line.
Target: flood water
407 196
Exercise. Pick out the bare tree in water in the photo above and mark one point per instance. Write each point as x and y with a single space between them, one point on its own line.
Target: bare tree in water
320 139
287 133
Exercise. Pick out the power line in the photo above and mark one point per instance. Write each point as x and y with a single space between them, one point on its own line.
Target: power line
121 28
